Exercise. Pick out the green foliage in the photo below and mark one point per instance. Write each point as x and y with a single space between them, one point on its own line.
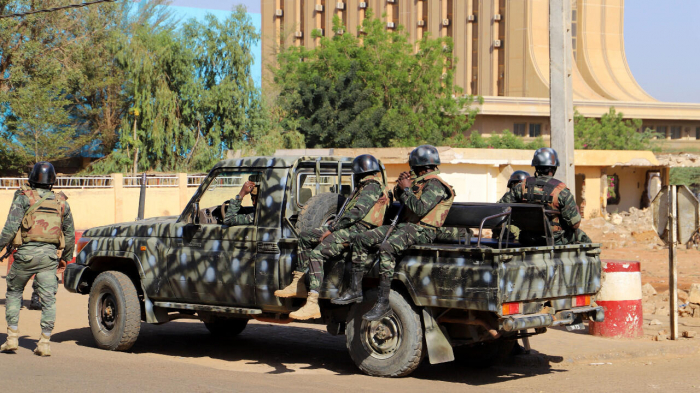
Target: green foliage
611 132
686 176
507 140
372 91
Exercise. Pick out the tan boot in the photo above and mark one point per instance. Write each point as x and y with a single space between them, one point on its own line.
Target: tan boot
310 309
43 348
12 342
296 289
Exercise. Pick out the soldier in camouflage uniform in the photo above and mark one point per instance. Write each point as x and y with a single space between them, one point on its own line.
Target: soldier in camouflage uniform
364 210
513 181
237 215
544 189
39 224
427 200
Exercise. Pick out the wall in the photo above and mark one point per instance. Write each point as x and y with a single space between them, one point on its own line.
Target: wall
631 187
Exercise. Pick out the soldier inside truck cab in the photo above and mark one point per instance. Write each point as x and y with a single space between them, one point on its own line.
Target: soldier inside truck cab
240 215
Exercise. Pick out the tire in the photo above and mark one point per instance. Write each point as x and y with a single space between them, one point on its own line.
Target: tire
398 356
319 210
114 311
484 354
226 327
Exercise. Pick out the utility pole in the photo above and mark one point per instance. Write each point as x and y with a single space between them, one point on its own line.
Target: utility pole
561 99
136 149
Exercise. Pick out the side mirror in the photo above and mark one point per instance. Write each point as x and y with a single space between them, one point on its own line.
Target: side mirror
195 213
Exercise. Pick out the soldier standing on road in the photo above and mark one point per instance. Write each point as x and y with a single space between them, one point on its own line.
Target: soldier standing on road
238 215
41 223
545 190
427 200
364 211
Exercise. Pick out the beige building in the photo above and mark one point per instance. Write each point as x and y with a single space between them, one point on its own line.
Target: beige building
502 48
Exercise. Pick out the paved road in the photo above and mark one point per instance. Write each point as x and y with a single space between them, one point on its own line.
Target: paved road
181 357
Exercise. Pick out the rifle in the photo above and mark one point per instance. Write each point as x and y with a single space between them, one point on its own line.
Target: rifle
342 209
9 249
393 222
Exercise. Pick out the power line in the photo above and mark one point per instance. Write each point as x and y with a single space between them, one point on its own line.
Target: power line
80 5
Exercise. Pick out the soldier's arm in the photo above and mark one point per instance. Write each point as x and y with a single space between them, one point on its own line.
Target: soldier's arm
365 201
569 211
513 195
433 193
233 218
14 219
68 229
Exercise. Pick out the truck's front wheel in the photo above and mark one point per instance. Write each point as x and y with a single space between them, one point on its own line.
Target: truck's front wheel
114 311
391 347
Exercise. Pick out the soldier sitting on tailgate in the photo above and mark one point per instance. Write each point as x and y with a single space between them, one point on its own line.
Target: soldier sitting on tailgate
243 215
515 179
544 189
427 200
363 211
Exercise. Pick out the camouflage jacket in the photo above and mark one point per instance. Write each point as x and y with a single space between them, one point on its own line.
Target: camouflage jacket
237 215
20 205
365 200
566 205
433 193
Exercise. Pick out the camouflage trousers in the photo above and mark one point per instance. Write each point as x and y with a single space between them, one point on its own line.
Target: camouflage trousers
404 236
312 253
39 260
576 236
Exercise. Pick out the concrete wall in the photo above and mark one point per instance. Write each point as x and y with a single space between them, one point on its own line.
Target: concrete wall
631 187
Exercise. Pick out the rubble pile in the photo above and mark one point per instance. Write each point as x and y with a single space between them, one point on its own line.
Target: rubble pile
626 229
657 303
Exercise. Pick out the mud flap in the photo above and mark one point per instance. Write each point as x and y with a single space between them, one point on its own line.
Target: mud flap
439 348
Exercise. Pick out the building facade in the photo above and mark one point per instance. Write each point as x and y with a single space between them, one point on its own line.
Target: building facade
502 50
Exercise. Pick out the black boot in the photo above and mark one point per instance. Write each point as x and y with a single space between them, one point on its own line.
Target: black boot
382 308
353 293
35 303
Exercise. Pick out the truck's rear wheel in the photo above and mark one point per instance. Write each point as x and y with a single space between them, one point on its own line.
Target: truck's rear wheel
391 347
226 327
318 210
114 311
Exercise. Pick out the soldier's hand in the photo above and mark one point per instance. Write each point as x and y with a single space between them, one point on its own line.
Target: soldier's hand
404 175
247 188
325 235
383 199
405 182
61 266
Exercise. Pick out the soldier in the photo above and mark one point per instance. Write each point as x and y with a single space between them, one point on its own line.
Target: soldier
237 215
544 189
364 210
427 200
40 222
515 179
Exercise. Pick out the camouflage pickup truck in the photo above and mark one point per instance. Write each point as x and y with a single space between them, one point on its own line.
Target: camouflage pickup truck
467 295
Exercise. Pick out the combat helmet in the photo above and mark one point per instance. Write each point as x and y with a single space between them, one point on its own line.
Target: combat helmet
43 175
424 155
365 163
545 157
517 177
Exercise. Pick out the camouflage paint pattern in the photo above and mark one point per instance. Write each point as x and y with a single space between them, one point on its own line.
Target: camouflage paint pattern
569 216
243 265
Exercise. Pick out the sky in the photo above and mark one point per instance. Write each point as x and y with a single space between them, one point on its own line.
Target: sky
662 42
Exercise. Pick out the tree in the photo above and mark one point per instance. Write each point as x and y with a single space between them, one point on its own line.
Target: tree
377 90
507 140
611 132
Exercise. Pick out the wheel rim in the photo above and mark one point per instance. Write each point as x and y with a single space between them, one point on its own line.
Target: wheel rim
107 313
382 338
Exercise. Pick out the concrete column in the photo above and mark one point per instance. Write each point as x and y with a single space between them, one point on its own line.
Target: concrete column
118 187
561 104
182 188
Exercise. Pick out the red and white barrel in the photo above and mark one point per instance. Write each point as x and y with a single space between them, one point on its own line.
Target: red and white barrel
621 297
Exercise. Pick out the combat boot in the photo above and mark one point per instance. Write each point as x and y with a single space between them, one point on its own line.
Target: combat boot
382 308
352 294
12 342
43 348
296 289
310 309
35 303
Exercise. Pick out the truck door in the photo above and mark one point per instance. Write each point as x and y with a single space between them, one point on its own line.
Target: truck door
211 262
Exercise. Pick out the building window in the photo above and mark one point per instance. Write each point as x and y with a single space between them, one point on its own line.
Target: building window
661 132
535 130
519 129
697 133
676 132
613 189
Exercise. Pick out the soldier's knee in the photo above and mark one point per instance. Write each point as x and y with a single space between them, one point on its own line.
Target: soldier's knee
386 248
